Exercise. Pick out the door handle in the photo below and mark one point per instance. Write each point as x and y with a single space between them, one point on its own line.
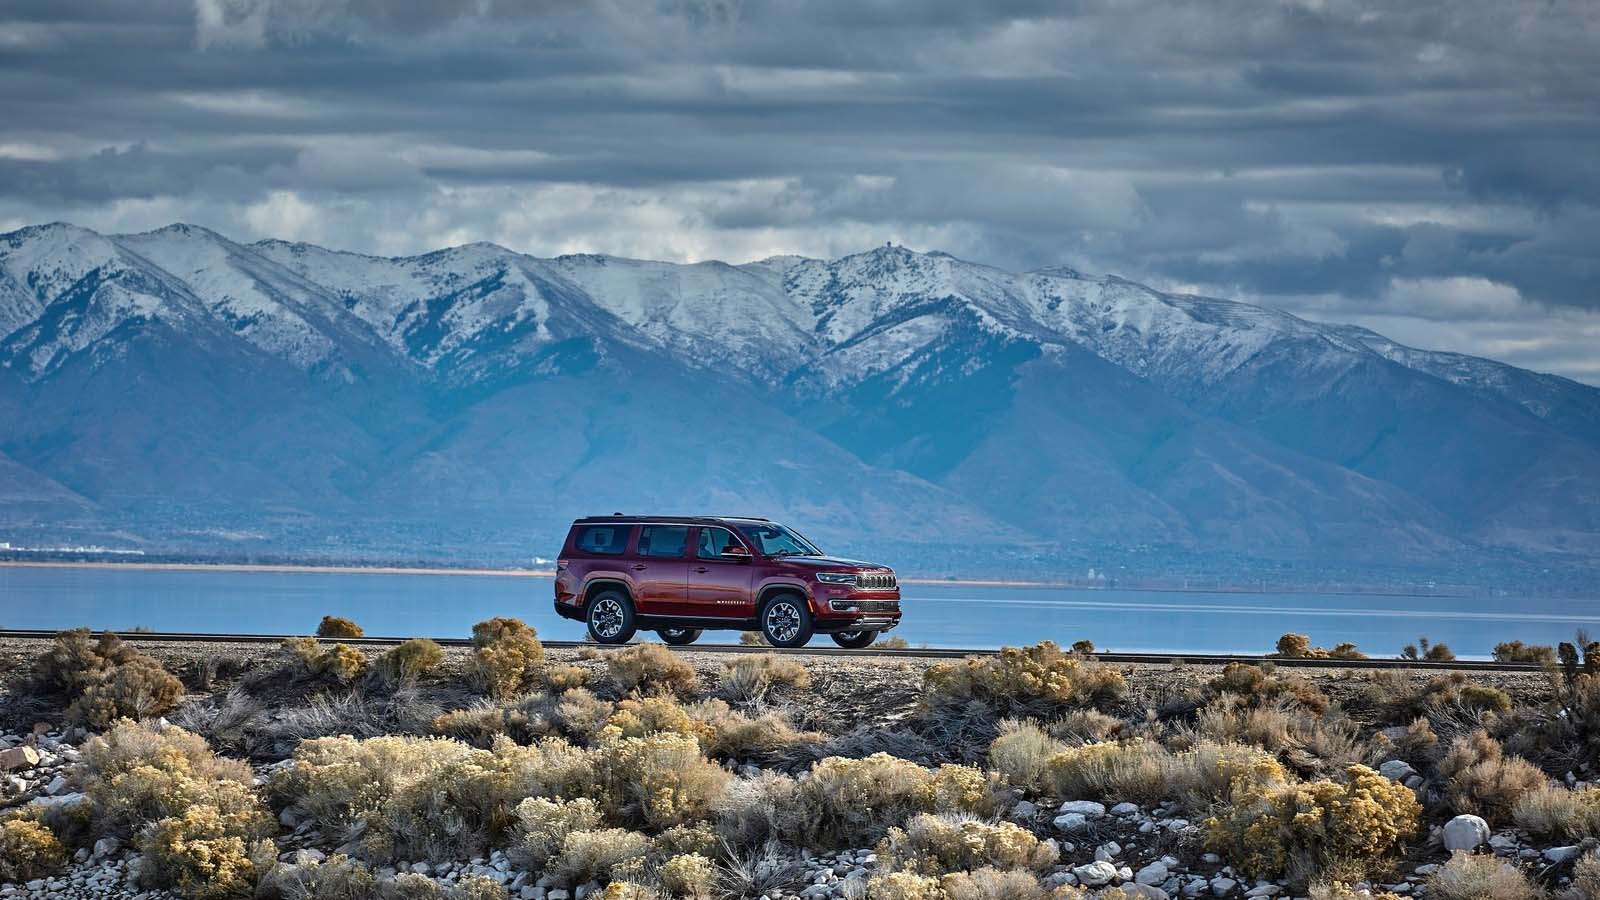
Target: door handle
701 570
638 567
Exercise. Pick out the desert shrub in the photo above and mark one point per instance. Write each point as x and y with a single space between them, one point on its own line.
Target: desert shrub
750 677
1556 812
892 643
28 850
690 837
1084 725
480 723
997 884
1116 770
758 810
1301 831
1021 679
1022 751
657 780
543 823
752 639
581 712
135 774
1298 646
1565 734
1518 652
687 875
412 659
903 886
1400 699
1586 876
309 659
204 855
651 669
598 853
1211 773
478 887
935 844
1338 890
852 802
506 655
1481 779
139 688
565 678
105 679
336 878
1265 684
631 890
338 627
1468 877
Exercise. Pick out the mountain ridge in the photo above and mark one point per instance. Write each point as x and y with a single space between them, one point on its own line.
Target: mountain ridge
1061 418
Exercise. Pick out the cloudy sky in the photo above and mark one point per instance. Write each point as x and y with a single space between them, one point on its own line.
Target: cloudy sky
1431 170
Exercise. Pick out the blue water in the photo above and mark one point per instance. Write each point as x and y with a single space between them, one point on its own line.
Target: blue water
938 615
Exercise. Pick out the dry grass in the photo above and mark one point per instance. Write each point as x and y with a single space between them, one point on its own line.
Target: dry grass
561 679
1114 770
1556 812
338 627
748 678
1481 779
1467 877
651 669
1022 752
1266 685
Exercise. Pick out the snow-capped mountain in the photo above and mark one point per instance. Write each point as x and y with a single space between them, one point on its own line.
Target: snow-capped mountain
188 390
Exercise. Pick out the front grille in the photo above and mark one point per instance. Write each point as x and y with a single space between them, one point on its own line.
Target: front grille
876 581
865 605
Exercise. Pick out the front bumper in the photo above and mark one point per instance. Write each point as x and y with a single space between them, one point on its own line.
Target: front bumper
857 611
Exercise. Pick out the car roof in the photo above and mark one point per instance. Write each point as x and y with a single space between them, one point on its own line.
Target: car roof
620 519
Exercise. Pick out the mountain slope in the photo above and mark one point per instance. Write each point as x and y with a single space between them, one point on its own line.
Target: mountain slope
465 403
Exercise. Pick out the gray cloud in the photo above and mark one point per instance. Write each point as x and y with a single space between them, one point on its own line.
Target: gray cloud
1423 165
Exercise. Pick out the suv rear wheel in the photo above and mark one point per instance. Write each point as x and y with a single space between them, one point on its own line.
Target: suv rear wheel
610 617
854 640
786 621
678 636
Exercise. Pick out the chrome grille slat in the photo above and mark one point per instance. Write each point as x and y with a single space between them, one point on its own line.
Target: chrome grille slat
876 581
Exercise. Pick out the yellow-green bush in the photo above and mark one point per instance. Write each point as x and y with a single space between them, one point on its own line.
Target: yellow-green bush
903 886
601 853
205 855
1022 752
1000 884
1556 812
1401 699
748 677
1338 890
651 669
542 824
1114 770
630 890
1481 779
1212 773
506 655
1518 652
1298 646
851 802
1265 684
338 627
1468 877
658 780
28 850
561 679
309 659
936 844
1020 678
478 887
1302 831
412 659
688 875
337 877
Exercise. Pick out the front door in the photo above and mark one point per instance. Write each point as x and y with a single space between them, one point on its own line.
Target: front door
661 569
719 586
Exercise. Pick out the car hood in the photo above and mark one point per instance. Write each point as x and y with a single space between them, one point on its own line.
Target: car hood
830 562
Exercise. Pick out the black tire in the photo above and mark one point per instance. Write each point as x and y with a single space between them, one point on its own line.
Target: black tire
679 636
610 617
854 640
786 621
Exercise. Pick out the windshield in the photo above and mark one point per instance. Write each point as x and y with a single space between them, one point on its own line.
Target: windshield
772 539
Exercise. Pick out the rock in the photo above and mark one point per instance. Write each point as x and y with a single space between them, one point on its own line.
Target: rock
1210 858
1155 873
1396 770
18 758
557 894
106 846
1223 886
1086 808
308 856
1465 833
1071 822
1125 809
1024 810
1264 890
421 868
1096 873
1561 854
1108 851
1149 892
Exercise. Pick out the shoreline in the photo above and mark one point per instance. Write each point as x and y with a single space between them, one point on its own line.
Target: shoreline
307 569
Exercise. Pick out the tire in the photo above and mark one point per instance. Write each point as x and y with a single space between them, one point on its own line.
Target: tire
678 636
786 621
610 618
854 640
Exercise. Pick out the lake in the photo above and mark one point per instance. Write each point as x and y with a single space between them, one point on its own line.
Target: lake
938 615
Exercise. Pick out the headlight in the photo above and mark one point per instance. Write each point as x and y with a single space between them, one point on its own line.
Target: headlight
836 577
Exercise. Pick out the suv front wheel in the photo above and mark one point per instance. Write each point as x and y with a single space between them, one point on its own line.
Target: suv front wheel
786 621
610 618
854 640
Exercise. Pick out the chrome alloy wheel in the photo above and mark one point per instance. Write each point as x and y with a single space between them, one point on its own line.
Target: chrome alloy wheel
606 618
783 621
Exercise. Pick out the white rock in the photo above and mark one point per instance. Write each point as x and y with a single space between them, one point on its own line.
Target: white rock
1465 833
1264 890
1108 851
1087 808
1223 886
1561 854
1147 891
1071 822
1096 873
1155 873
56 785
1024 810
1396 770
1125 809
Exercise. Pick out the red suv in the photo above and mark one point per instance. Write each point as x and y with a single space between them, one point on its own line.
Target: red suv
679 575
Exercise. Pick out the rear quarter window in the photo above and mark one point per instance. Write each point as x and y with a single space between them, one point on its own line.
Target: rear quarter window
607 540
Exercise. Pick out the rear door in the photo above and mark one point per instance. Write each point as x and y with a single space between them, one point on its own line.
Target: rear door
661 569
719 586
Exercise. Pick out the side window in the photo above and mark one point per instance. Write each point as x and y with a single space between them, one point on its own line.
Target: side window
712 541
663 540
610 540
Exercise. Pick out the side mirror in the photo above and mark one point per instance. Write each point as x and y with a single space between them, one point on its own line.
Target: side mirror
735 552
